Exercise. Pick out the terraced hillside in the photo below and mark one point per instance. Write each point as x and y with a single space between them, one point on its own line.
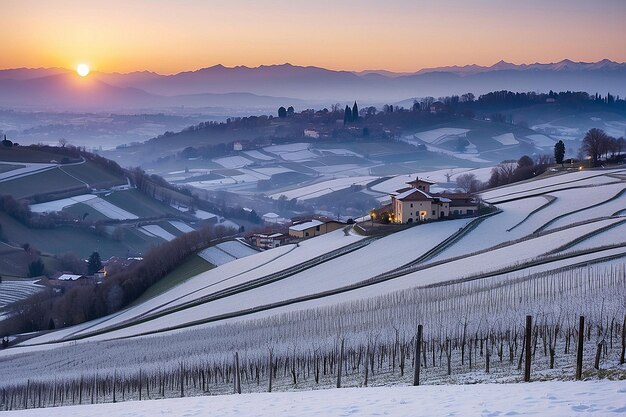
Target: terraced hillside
555 249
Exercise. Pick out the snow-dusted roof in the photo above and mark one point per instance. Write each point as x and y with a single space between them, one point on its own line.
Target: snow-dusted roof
306 225
271 215
69 277
444 200
410 192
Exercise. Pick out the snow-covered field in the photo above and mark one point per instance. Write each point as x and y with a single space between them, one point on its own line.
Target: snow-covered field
233 162
23 170
12 291
507 139
551 183
441 135
183 227
226 252
540 399
300 300
156 230
324 187
58 205
541 140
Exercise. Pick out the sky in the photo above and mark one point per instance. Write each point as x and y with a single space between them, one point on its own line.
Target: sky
397 35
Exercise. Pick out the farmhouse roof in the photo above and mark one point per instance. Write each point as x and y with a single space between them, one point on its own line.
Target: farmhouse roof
70 277
413 194
417 181
306 225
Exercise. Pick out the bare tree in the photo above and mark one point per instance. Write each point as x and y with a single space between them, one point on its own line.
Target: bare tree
467 183
595 144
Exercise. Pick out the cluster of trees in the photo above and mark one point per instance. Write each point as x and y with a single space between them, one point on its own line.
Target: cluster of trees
351 115
89 301
505 172
284 112
597 145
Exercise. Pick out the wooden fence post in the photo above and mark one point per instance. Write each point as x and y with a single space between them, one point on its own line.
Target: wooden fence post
237 375
340 365
529 326
418 356
579 352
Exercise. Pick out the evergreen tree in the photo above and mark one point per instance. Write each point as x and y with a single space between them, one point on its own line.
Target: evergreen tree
355 112
94 264
290 111
282 112
36 268
347 115
559 152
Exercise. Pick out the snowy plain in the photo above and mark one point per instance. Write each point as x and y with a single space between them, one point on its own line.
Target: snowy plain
538 399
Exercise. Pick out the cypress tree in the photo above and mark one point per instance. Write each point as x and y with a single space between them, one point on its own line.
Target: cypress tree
355 112
347 115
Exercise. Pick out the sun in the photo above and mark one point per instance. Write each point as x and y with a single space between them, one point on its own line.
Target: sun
82 70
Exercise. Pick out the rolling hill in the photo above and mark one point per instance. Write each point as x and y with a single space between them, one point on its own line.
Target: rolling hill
553 248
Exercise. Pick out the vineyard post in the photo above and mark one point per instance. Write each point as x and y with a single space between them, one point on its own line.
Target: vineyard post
579 353
269 389
529 326
340 364
418 348
237 374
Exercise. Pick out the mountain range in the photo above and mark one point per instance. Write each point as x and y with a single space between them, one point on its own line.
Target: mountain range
267 86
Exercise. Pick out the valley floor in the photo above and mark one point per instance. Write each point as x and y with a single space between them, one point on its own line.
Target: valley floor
546 399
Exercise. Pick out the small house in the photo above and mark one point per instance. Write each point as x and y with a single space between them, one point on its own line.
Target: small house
314 227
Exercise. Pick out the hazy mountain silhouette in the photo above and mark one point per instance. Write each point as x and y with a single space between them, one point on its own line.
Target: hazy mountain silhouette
307 86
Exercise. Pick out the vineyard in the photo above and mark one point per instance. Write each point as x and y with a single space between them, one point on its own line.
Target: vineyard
473 332
498 298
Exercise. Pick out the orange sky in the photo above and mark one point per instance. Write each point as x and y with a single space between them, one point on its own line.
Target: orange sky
399 35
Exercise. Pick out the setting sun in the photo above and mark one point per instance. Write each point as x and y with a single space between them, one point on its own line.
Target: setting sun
82 70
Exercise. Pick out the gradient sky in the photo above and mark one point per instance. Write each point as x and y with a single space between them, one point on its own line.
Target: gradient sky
399 35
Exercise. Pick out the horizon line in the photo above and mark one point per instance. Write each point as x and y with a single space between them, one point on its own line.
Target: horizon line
95 71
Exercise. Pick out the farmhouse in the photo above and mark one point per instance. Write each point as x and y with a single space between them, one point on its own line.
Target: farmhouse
314 227
462 204
268 241
417 203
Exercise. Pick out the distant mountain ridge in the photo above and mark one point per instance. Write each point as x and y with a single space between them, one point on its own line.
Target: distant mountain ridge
304 86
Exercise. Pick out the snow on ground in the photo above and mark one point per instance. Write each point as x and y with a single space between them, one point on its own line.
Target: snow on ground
24 170
547 184
192 285
233 162
342 152
542 399
290 147
183 227
12 291
58 205
272 170
110 210
441 135
216 256
233 273
226 252
541 140
297 156
614 235
204 215
347 170
325 187
237 249
569 202
493 230
258 155
506 139
212 184
157 230
604 210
